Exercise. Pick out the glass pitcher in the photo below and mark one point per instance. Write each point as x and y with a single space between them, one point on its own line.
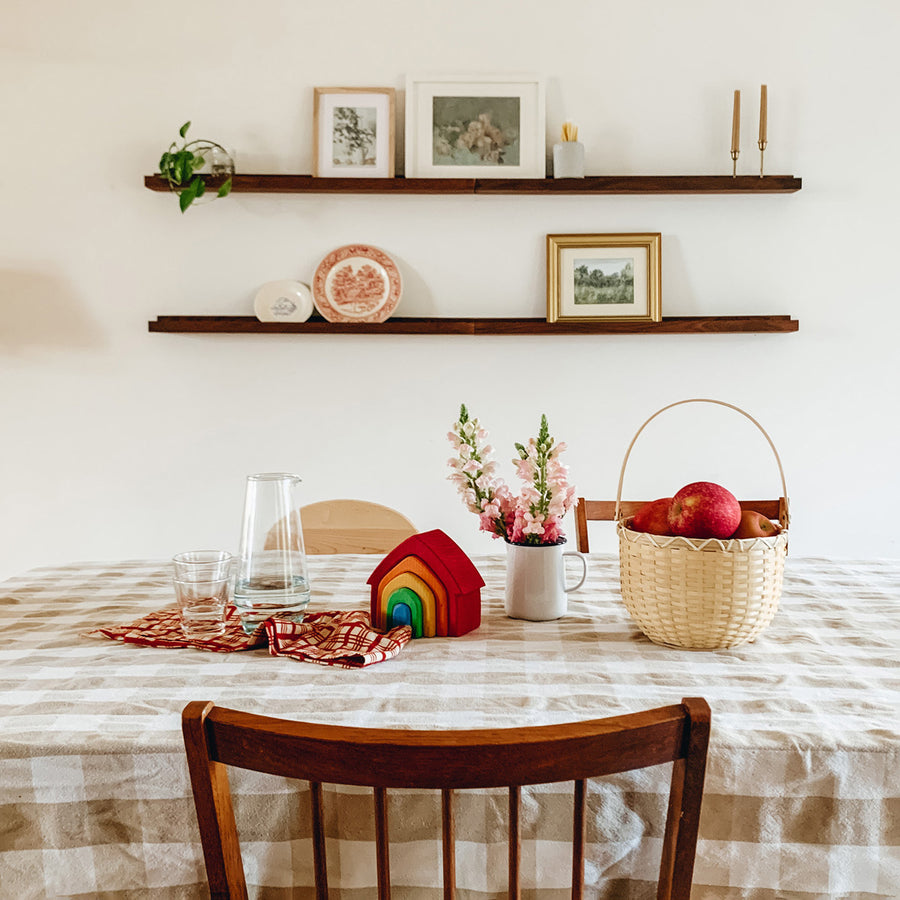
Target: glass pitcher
272 580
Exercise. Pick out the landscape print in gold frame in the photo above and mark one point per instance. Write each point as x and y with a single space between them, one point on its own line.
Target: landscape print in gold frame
604 277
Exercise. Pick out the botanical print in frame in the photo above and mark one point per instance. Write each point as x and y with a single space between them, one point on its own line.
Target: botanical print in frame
354 132
604 277
475 128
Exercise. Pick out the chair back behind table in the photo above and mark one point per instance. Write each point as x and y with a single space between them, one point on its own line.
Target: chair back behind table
349 526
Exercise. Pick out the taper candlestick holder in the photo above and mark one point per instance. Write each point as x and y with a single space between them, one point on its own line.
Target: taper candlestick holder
762 150
734 155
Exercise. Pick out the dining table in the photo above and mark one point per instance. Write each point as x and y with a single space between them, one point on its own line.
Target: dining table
802 790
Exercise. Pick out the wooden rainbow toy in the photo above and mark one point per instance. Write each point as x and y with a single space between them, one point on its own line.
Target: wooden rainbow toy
427 582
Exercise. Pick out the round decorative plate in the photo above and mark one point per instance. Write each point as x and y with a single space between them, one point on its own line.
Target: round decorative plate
283 301
356 283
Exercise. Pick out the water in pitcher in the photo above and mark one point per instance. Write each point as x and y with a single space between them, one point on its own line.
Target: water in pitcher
266 597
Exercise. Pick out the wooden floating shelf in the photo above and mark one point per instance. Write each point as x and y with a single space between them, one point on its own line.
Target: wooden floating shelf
669 325
592 184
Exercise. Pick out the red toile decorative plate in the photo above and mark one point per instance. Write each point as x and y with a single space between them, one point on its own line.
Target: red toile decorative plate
356 283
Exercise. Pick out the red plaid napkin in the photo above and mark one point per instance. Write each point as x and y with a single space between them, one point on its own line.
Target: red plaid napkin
163 629
344 639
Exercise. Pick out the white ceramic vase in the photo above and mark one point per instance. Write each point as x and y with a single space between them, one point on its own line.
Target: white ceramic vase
536 581
568 160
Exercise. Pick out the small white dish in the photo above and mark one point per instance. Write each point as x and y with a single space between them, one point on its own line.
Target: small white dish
283 301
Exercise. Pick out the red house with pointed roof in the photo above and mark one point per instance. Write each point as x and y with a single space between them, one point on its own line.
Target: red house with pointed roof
428 583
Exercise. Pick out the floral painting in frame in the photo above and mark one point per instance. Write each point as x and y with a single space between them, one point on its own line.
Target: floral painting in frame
354 132
465 127
604 277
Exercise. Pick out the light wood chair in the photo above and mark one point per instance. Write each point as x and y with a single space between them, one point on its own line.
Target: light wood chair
383 759
605 511
348 526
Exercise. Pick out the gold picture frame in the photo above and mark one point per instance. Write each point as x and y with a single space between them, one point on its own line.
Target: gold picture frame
604 277
353 132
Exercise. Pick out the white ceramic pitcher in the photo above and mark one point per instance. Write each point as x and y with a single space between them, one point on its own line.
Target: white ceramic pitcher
536 581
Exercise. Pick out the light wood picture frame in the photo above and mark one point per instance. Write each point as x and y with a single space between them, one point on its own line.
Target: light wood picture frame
475 127
604 277
353 130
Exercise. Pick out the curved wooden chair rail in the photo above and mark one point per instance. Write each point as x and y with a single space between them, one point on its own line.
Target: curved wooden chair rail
605 511
347 526
216 737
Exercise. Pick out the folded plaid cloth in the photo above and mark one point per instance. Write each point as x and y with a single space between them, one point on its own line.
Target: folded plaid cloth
344 639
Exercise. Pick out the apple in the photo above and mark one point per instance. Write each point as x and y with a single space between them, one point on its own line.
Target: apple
653 517
703 509
754 524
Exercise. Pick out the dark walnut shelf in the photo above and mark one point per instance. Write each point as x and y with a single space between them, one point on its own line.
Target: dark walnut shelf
669 325
593 184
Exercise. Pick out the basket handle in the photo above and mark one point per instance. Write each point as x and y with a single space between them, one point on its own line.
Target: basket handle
718 403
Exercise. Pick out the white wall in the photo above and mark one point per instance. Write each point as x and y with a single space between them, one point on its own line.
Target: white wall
120 443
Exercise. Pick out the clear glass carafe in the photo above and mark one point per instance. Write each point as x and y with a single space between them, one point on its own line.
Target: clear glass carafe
272 579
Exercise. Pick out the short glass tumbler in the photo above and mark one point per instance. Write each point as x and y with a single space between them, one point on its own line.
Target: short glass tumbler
202 580
272 579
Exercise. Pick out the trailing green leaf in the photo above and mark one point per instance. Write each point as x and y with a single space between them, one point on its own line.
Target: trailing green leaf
225 190
185 199
183 130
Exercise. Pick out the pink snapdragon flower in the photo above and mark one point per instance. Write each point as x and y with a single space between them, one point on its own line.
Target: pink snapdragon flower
532 517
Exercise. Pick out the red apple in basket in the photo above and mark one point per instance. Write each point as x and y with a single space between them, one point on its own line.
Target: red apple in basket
704 509
754 524
653 517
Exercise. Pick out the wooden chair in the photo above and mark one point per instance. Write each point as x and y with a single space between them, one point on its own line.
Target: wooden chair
216 737
348 526
605 511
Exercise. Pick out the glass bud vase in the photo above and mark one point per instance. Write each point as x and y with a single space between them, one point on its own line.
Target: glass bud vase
217 168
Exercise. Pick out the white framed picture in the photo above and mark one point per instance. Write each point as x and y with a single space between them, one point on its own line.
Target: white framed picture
604 277
354 132
475 127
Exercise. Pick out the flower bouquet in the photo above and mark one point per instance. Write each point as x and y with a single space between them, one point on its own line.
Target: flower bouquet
533 517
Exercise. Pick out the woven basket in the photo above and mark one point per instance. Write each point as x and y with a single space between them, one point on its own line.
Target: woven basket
701 594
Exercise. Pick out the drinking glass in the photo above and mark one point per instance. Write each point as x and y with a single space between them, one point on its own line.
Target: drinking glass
272 579
202 579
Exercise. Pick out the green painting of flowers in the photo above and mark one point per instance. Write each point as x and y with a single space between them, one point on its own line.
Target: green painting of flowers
476 131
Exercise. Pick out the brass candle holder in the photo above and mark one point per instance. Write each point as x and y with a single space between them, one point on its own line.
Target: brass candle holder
762 151
734 156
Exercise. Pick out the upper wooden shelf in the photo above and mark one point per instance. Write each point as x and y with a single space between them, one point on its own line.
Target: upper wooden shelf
422 325
593 184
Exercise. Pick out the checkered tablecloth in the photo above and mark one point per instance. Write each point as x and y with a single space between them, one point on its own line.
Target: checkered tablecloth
803 785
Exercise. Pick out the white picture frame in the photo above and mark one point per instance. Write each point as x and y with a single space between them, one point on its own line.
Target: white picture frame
353 132
475 127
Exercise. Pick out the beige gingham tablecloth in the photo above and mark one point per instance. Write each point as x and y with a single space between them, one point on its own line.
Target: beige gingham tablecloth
803 784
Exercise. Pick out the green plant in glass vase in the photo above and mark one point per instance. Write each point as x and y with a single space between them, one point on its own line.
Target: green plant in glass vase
195 167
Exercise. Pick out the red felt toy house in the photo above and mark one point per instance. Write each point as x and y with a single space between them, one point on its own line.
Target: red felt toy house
428 583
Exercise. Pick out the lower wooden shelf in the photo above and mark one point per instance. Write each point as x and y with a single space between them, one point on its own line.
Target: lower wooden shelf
472 326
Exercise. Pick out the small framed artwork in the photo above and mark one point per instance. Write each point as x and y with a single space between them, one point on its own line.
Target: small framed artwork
467 127
603 277
354 132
